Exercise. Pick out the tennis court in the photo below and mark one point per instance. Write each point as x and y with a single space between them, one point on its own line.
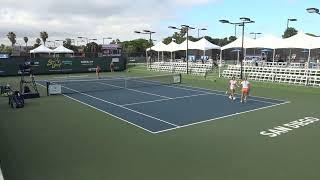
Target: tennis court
158 103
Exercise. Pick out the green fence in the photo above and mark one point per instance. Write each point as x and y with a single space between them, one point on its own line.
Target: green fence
10 66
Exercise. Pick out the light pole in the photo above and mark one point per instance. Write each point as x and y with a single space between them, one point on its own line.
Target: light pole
106 38
235 25
186 28
313 10
57 40
289 21
94 39
243 22
146 32
255 37
81 37
255 34
202 29
149 32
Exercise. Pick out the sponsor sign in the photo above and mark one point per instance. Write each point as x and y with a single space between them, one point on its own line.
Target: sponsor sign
87 63
54 89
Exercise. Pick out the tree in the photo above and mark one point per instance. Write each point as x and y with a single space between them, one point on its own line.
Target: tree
37 44
12 37
135 46
5 49
26 41
44 36
117 41
232 38
67 43
289 32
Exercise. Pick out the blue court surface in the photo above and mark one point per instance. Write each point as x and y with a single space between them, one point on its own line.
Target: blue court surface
161 108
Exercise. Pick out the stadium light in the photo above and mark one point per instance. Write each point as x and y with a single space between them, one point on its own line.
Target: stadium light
149 32
313 10
242 23
187 28
228 22
255 34
105 38
289 21
94 39
202 29
81 37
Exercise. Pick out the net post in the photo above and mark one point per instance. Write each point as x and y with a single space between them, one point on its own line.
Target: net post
180 78
47 85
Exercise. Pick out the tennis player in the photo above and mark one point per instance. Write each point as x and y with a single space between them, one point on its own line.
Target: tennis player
232 88
111 67
245 90
98 69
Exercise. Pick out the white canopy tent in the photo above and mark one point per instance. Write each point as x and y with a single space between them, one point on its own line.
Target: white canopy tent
62 50
160 46
183 45
41 49
269 42
302 41
247 42
204 44
172 47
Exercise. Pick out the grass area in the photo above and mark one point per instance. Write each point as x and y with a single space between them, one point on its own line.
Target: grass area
55 138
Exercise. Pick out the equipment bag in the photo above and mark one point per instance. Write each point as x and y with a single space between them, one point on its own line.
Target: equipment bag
16 100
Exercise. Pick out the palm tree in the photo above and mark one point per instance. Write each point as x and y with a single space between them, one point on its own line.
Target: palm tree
37 44
44 36
26 41
12 37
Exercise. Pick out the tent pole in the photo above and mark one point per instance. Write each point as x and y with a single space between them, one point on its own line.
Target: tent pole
220 63
274 54
238 58
162 56
245 54
147 59
290 56
309 58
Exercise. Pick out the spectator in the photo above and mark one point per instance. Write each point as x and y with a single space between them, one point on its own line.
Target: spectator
98 69
111 67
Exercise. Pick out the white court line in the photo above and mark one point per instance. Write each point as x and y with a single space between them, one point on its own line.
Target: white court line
122 107
177 87
135 90
109 114
200 122
224 92
159 100
103 112
65 77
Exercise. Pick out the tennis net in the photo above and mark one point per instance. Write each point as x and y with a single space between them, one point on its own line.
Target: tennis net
93 85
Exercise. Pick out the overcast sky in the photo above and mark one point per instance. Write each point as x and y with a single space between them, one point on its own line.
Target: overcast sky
93 19
119 18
